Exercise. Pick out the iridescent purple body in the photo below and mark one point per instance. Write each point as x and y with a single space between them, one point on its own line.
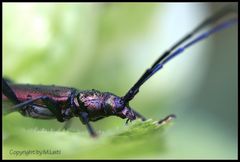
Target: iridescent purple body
97 104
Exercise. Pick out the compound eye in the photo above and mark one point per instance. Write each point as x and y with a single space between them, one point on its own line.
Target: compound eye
119 104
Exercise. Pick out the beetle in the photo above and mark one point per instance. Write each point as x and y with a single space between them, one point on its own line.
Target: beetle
64 103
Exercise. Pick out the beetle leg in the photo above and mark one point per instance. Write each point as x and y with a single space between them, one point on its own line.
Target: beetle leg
73 106
67 125
53 107
84 118
139 115
167 119
8 92
50 104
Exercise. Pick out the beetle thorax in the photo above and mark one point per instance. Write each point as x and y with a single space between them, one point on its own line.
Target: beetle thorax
90 100
102 104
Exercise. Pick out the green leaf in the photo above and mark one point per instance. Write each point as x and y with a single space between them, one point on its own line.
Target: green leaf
137 140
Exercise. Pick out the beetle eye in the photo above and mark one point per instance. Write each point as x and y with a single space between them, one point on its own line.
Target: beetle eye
119 105
121 102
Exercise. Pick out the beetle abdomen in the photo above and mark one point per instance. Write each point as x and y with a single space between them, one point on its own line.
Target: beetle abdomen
25 91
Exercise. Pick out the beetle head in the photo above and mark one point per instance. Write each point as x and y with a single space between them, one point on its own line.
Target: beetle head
114 105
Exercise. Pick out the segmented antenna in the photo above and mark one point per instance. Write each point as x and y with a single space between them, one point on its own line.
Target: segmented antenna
173 51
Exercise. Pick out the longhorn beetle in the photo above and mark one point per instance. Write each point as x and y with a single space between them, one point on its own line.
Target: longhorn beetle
63 103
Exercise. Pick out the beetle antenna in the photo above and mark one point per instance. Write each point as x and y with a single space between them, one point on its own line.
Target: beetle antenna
175 49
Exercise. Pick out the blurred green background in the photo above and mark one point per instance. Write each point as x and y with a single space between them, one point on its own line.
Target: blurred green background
107 46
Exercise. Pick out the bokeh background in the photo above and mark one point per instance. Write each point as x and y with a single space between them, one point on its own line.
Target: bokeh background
107 46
